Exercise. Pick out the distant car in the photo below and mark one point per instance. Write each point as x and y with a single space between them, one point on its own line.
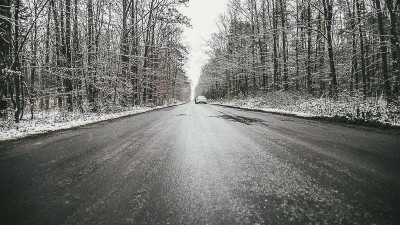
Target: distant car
200 99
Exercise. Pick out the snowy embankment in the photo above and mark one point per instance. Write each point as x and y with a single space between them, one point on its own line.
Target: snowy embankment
350 110
44 122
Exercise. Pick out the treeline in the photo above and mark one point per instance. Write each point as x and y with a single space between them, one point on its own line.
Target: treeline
340 49
90 55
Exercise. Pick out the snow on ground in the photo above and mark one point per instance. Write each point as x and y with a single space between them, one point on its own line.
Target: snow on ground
351 109
44 122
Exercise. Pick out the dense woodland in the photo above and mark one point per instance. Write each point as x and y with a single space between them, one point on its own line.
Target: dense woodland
336 49
90 55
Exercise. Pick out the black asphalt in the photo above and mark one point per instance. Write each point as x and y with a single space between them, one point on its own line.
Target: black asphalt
203 164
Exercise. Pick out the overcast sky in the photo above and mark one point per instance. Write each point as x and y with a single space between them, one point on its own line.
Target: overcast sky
204 15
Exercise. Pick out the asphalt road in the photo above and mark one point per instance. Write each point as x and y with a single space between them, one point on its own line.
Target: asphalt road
203 164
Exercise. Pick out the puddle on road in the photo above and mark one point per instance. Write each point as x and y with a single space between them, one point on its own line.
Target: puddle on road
240 119
287 120
182 114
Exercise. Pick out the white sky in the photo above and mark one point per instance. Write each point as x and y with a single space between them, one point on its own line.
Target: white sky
204 15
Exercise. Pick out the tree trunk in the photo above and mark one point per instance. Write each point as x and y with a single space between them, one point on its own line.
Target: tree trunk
297 47
147 50
309 28
264 48
16 63
33 61
328 14
134 52
58 44
5 48
362 51
275 37
284 53
394 40
90 80
383 51
77 58
68 79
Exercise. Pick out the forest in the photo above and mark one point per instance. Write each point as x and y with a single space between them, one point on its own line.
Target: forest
346 52
90 55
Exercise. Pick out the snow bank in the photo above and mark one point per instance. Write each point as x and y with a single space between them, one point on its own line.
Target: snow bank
44 122
351 109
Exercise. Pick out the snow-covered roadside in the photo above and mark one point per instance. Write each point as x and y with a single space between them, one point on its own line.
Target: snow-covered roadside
244 105
349 111
51 121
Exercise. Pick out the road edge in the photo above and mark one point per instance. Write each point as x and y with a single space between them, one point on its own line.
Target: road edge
335 119
32 136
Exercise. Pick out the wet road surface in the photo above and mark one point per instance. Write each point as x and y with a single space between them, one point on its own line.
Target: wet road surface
203 164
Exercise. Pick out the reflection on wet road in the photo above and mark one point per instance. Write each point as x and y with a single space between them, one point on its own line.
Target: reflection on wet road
203 164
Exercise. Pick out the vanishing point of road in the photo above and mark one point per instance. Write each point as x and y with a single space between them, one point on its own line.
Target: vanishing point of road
203 164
